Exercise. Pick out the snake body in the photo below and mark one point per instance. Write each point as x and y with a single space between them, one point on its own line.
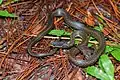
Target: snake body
49 26
77 26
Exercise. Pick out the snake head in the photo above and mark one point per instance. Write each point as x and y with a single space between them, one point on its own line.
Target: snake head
59 44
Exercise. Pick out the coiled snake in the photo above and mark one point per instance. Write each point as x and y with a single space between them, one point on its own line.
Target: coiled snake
81 30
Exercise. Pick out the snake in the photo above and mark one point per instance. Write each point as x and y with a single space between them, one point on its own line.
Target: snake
78 26
49 25
71 42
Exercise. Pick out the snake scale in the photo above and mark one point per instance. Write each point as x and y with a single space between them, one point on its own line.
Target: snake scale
81 29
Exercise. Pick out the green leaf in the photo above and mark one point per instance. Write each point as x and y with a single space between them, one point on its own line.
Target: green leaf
1 1
92 38
100 19
98 73
16 0
58 32
107 66
90 44
108 49
116 53
6 14
99 28
77 42
67 33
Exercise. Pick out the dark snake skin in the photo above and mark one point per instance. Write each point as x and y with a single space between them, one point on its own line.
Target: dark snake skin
81 30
